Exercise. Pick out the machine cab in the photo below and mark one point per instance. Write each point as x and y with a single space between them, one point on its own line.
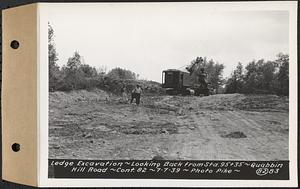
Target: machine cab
175 79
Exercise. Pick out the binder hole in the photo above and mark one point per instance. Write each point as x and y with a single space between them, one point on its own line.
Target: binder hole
14 44
15 147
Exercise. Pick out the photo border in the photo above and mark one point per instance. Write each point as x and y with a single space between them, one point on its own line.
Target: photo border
43 103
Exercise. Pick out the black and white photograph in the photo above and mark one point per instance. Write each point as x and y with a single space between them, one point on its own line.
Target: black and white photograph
149 94
168 81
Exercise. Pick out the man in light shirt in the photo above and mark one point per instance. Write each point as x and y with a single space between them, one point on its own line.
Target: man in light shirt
136 94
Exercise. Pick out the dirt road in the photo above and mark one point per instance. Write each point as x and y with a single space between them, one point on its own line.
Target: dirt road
95 125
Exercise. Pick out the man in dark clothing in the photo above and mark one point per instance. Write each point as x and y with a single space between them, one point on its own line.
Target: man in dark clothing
136 94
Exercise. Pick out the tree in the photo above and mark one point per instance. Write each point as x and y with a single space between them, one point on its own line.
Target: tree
268 70
54 70
260 76
74 62
213 69
119 73
236 82
283 74
253 76
73 75
88 71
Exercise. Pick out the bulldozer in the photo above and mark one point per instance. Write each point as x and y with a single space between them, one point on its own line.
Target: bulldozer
191 81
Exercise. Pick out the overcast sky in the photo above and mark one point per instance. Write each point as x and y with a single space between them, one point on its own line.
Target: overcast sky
148 38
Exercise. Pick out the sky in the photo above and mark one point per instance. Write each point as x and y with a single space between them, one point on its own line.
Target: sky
148 38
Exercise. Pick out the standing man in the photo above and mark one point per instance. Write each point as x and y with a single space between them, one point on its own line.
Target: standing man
136 94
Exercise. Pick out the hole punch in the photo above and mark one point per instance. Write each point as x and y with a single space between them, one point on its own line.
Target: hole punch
15 147
14 44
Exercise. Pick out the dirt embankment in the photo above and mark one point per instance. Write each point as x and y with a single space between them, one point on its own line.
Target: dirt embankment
98 125
261 103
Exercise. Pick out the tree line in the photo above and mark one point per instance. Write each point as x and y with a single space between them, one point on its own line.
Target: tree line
78 75
268 77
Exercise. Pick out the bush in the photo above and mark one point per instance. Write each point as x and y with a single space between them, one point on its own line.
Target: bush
119 73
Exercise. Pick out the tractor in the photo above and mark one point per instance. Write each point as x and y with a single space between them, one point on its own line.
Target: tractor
191 81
